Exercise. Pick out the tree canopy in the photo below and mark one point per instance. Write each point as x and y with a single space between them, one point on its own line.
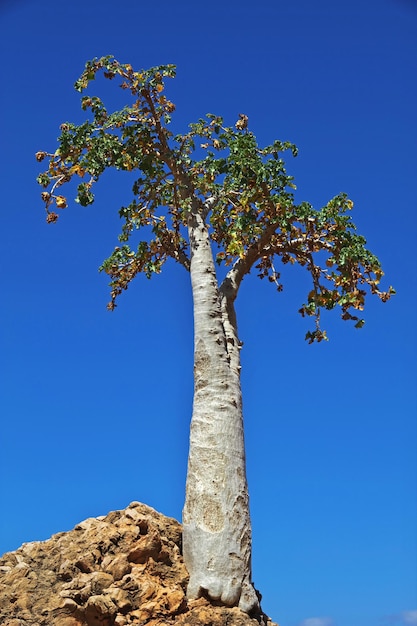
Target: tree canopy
244 191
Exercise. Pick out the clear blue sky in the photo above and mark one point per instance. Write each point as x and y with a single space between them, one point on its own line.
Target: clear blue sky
96 405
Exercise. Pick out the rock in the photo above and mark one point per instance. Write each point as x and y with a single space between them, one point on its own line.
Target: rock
117 566
100 611
122 569
146 547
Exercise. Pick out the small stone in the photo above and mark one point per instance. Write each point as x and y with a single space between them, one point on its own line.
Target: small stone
100 610
117 567
68 620
69 606
99 581
134 505
175 600
120 599
148 546
133 514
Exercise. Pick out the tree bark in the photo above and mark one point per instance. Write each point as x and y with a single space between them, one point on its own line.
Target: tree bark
216 522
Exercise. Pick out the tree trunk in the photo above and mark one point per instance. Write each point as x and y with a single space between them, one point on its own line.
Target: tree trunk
216 522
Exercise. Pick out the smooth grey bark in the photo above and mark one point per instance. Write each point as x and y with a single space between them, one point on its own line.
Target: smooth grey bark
216 522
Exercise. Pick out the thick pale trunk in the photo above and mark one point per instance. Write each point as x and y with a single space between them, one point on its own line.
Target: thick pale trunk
216 522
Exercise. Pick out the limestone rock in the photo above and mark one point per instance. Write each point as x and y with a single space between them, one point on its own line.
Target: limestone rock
122 569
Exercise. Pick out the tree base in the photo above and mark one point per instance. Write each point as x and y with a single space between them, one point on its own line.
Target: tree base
115 570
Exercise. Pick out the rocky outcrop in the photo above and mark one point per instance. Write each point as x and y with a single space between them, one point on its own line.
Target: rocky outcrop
122 569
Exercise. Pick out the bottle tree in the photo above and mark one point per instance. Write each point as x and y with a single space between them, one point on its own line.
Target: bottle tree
211 196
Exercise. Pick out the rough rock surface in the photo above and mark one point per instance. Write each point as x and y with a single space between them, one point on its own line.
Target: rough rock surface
122 569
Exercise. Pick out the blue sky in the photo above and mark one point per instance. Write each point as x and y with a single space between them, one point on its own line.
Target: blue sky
96 405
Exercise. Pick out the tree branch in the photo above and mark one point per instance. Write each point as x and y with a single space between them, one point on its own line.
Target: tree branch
242 266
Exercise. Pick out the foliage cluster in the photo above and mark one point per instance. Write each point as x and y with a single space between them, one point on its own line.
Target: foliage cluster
243 190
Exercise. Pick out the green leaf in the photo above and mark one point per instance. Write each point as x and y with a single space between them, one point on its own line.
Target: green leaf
43 179
84 197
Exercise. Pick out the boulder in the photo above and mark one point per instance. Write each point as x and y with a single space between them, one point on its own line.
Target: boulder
122 569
